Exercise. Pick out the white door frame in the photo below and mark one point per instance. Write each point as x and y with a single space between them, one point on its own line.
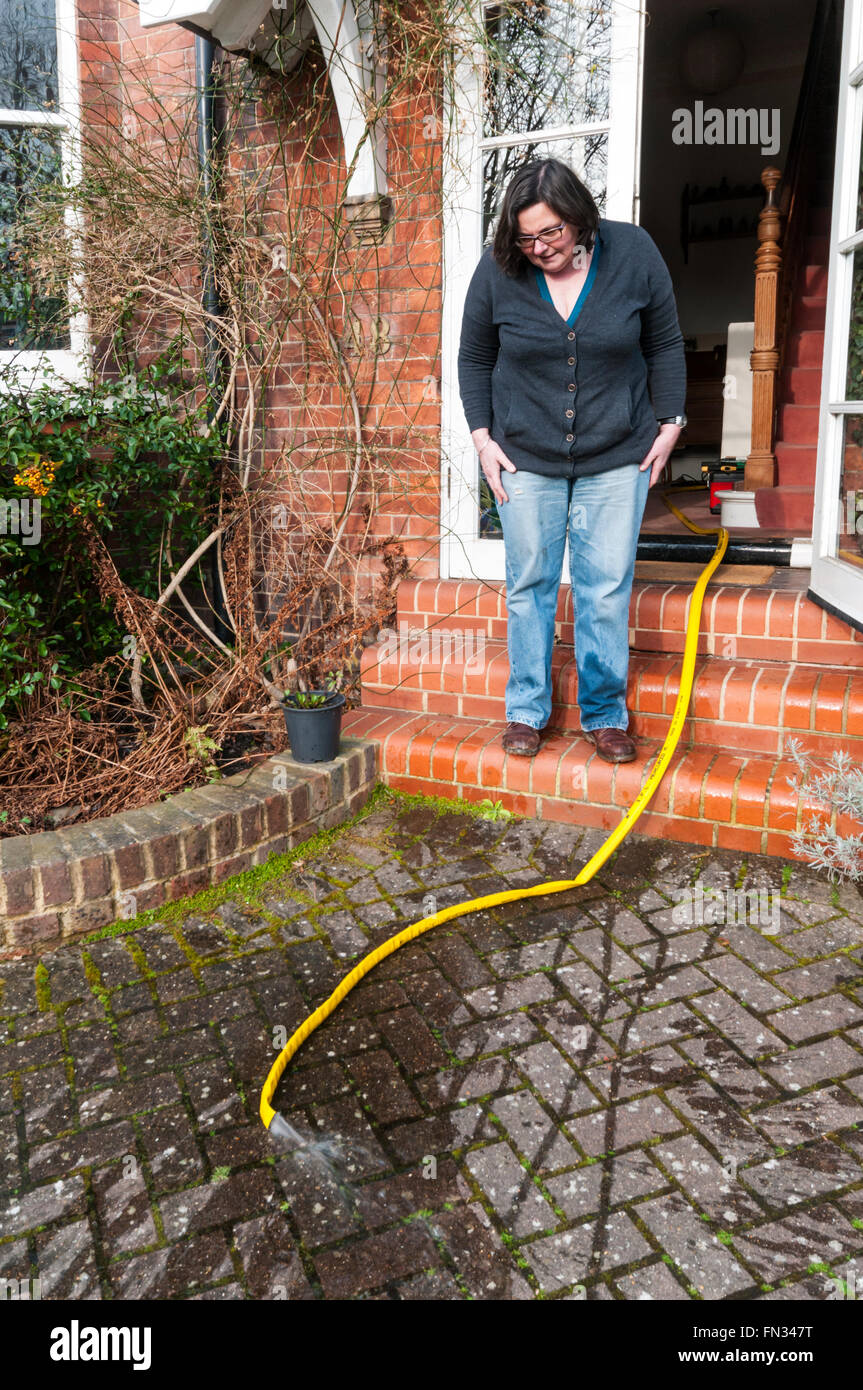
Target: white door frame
463 553
834 581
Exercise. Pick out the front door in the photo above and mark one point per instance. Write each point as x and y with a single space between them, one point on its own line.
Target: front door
837 541
560 80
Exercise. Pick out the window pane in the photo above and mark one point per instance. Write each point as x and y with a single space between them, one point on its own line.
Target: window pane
28 55
587 155
854 375
29 320
850 538
550 65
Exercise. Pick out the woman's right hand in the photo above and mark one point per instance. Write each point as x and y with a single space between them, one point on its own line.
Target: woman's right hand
491 460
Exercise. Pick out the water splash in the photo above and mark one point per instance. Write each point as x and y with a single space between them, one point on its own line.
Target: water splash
304 1146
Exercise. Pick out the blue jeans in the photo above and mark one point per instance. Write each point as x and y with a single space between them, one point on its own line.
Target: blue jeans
603 515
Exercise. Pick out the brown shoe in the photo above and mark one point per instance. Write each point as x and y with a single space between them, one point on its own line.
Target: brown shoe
521 739
614 745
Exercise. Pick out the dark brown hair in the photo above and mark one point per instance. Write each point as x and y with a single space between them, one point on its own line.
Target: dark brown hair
543 181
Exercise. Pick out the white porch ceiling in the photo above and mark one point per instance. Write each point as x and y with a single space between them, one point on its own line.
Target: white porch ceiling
280 35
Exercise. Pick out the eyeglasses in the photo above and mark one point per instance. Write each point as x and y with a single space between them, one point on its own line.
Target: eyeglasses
548 237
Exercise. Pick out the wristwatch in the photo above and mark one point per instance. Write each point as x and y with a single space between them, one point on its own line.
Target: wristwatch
672 420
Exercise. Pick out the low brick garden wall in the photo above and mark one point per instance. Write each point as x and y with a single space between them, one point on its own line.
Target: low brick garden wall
62 882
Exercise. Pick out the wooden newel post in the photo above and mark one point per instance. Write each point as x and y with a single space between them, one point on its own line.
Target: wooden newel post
764 359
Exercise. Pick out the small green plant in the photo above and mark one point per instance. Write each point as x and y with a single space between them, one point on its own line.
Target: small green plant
201 748
307 699
220 1174
494 810
838 788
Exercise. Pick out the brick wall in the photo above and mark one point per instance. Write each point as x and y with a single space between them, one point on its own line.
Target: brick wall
63 882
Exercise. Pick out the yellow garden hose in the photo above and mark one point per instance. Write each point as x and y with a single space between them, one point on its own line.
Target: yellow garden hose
270 1117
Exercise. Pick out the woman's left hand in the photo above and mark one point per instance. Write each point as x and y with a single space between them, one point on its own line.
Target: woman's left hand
660 451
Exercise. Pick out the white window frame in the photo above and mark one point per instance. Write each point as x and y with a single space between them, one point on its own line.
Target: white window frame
66 365
463 554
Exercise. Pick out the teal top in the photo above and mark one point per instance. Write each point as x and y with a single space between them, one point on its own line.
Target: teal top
585 289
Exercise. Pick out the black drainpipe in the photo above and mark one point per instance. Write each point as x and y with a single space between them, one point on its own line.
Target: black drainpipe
209 135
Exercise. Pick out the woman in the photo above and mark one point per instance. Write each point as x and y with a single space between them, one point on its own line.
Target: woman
573 382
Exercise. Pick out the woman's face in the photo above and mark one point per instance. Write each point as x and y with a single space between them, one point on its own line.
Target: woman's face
555 255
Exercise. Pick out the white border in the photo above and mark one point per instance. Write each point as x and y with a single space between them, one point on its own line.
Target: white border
68 365
840 584
462 553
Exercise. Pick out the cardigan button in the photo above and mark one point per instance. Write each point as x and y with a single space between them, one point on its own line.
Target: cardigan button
571 361
570 438
570 336
571 386
569 414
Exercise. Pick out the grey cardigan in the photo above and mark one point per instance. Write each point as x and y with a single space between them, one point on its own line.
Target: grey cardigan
572 400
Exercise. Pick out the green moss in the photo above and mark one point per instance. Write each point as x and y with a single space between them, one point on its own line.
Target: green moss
43 989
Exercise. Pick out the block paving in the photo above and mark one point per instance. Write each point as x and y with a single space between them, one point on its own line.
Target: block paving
578 1097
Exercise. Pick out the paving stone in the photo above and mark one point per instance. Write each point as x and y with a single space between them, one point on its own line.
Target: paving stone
123 1206
437 1285
737 1024
465 1083
718 1121
556 1079
87 1148
306 1085
645 1071
376 1260
412 1041
382 1201
482 1262
440 1134
707 1263
490 1036
817 1017
744 983
825 940
213 1093
42 1206
609 959
248 1045
346 937
321 1207
511 1191
624 924
591 993
619 1126
653 1282
713 1188
675 950
827 1111
271 1262
573 1256
671 1022
382 1088
435 997
814 1171
740 1080
523 960
820 975
753 946
164 1054
47 1102
171 1149
511 994
210 1204
66 1260
819 1061
169 1272
343 1123
458 961
781 1248
118 1102
605 1183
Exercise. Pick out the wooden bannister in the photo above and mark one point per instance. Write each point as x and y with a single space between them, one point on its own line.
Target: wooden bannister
781 245
760 470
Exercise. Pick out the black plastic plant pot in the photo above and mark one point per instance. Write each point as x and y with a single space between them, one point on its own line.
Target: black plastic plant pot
314 730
